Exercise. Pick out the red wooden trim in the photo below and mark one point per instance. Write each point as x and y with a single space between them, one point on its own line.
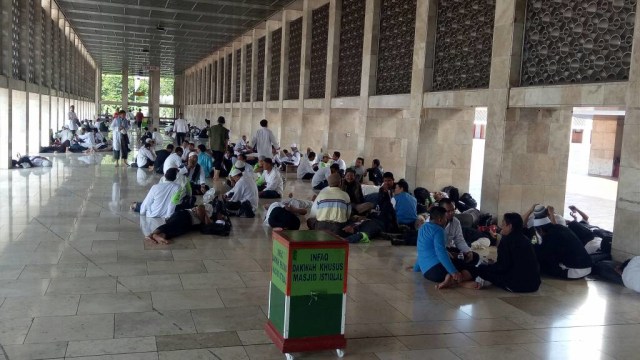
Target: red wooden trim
329 342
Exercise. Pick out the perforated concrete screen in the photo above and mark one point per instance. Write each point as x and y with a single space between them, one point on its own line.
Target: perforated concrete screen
577 41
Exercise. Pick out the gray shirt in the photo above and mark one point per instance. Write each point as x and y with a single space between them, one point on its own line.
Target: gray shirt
454 236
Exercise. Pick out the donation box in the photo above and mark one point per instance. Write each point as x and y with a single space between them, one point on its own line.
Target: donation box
307 293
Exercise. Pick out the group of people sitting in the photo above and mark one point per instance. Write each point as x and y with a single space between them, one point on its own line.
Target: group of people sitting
361 204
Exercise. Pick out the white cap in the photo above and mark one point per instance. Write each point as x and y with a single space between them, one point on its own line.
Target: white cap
239 164
148 141
235 172
294 145
540 222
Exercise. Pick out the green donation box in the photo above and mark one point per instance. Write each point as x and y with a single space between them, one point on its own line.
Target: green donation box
307 293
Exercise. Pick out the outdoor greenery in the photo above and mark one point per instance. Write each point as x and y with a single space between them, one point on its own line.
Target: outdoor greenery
112 91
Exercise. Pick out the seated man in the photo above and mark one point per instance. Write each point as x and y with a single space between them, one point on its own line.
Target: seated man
360 170
456 244
174 160
539 211
331 209
375 173
433 259
560 253
162 198
145 157
305 170
161 156
384 210
205 160
195 172
320 179
293 157
354 190
405 204
182 222
324 162
157 137
284 215
516 268
337 160
362 229
242 200
273 181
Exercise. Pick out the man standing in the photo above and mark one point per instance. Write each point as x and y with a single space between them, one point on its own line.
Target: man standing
264 140
139 117
72 120
181 128
218 141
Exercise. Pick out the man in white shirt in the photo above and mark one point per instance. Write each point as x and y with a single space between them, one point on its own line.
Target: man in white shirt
174 160
145 157
181 128
72 119
320 179
242 200
241 146
264 140
284 215
274 185
162 198
157 137
87 140
305 170
340 162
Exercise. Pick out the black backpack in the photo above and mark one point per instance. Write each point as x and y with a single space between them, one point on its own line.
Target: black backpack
220 228
468 200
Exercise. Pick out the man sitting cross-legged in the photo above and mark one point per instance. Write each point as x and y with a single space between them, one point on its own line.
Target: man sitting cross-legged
242 200
433 259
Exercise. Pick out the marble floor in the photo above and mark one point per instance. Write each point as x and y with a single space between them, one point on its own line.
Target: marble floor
77 281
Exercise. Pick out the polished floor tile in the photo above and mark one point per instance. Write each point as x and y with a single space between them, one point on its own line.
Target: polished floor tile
77 281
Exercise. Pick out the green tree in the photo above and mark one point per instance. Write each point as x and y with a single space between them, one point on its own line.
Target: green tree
111 87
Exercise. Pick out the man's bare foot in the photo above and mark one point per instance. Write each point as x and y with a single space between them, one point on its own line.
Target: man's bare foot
278 229
160 239
409 268
447 283
150 239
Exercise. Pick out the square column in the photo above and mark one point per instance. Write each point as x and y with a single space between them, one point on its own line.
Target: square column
626 242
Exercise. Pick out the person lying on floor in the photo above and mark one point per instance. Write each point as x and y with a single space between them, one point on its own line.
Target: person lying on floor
433 259
285 214
516 268
27 161
362 229
559 252
626 273
182 222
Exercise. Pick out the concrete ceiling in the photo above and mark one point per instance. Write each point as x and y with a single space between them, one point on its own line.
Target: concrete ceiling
115 32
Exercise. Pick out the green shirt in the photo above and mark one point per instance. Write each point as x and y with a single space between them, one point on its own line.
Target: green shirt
218 136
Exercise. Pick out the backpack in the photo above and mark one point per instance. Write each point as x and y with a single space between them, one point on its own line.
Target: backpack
468 200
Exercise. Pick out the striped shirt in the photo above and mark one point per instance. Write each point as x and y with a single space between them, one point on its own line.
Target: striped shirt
332 204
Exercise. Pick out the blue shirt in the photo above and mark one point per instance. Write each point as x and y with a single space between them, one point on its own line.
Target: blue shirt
205 163
406 208
432 250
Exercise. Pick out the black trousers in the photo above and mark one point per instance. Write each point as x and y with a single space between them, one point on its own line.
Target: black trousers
178 224
180 136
